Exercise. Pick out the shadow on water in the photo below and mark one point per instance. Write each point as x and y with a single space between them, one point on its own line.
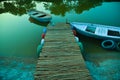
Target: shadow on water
38 23
61 7
103 64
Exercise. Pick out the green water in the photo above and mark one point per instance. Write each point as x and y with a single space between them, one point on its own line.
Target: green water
103 64
20 35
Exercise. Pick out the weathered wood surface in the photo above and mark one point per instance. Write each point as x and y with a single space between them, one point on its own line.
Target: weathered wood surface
60 58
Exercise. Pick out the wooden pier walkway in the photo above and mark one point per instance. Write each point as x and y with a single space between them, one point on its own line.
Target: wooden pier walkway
60 58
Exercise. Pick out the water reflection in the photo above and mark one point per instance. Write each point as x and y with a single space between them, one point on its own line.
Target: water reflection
61 7
44 24
19 7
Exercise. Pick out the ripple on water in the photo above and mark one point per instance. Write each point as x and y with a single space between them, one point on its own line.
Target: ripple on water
17 68
107 70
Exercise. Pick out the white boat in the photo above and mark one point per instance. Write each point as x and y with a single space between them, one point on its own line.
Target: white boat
39 15
97 31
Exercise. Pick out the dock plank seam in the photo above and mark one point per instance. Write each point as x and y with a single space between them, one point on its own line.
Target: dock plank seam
60 58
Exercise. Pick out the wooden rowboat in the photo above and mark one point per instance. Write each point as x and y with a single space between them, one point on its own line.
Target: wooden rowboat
97 31
39 15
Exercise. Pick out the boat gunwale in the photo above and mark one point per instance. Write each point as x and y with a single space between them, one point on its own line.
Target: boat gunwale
95 35
46 18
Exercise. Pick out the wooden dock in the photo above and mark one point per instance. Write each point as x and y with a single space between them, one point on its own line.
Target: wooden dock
60 58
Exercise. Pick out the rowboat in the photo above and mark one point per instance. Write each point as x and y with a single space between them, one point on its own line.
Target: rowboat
97 31
39 15
109 35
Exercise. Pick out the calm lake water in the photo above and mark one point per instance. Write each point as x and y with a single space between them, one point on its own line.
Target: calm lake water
20 35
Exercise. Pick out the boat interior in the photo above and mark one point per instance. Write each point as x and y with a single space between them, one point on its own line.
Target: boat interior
113 33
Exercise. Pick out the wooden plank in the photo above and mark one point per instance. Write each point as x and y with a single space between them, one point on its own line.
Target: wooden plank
60 58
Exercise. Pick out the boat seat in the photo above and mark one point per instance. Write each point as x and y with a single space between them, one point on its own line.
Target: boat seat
101 31
81 27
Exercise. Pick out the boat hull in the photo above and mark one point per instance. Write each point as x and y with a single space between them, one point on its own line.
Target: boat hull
41 19
40 16
76 25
